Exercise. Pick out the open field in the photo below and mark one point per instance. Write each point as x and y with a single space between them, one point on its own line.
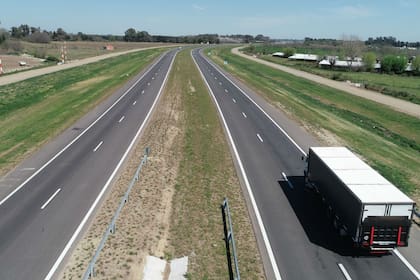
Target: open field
37 109
400 86
174 209
81 49
388 140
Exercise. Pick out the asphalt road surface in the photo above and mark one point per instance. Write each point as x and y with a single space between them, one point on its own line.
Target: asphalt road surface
297 241
42 217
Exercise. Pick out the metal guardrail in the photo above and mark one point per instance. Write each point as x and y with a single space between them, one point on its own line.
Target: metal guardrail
229 239
90 272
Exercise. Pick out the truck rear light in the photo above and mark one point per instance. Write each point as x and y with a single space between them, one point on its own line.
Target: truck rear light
372 231
399 236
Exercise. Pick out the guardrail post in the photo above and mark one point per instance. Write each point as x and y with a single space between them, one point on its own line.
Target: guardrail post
225 229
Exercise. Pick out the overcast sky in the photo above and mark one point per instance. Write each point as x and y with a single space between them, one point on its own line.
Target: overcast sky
278 18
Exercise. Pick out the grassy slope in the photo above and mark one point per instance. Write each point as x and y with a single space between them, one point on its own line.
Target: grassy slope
206 175
388 140
404 87
36 109
400 86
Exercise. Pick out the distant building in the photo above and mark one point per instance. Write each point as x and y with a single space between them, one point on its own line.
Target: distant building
109 47
340 63
306 57
278 54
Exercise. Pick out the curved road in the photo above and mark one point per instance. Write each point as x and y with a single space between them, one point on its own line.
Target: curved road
294 237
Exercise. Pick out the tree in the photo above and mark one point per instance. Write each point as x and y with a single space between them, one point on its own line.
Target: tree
415 65
130 35
39 37
352 47
289 52
386 63
399 64
369 60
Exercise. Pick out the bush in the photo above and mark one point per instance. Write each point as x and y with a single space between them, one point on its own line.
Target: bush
51 58
392 63
369 59
289 52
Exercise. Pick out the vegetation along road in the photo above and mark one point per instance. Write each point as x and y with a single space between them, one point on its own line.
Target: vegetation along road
395 103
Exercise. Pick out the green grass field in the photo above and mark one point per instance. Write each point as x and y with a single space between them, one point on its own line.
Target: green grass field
400 86
388 140
34 110
206 175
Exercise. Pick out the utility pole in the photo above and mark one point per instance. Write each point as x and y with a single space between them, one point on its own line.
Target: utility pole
64 53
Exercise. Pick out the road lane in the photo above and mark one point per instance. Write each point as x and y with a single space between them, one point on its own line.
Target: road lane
31 238
304 244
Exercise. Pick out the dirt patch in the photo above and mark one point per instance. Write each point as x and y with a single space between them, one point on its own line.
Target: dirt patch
142 228
11 62
85 83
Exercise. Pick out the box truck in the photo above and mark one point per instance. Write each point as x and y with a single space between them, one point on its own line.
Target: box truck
359 201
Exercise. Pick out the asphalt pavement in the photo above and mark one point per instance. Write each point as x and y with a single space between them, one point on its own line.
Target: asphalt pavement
294 237
45 211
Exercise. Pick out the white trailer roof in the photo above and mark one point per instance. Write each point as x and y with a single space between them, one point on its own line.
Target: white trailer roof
367 184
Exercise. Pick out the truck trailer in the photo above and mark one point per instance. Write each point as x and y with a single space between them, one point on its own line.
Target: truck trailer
359 201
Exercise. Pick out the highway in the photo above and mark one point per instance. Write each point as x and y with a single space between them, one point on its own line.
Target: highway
42 217
293 235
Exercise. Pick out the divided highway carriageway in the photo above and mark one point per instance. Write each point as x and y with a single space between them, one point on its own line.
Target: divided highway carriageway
42 217
298 241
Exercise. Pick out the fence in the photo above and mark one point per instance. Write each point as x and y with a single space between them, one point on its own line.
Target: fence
229 239
90 272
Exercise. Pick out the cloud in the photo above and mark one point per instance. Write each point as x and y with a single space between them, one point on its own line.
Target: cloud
198 8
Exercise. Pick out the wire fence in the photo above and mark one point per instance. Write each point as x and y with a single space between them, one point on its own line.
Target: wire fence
229 240
90 272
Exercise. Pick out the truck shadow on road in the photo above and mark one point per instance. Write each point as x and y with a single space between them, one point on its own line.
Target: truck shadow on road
311 213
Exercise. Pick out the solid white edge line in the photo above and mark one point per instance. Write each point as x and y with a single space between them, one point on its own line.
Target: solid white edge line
344 271
122 118
258 106
243 114
259 137
51 198
142 92
407 264
134 103
253 202
91 209
287 180
226 90
233 99
80 135
97 147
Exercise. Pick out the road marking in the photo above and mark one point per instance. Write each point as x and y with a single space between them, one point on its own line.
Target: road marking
259 107
220 83
153 78
344 271
122 118
211 73
49 199
28 169
97 147
148 84
142 92
215 78
287 180
246 182
243 114
226 90
78 136
107 184
259 137
134 103
409 266
233 99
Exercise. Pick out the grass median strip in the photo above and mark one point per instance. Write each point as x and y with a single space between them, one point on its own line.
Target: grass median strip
174 209
389 140
34 110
